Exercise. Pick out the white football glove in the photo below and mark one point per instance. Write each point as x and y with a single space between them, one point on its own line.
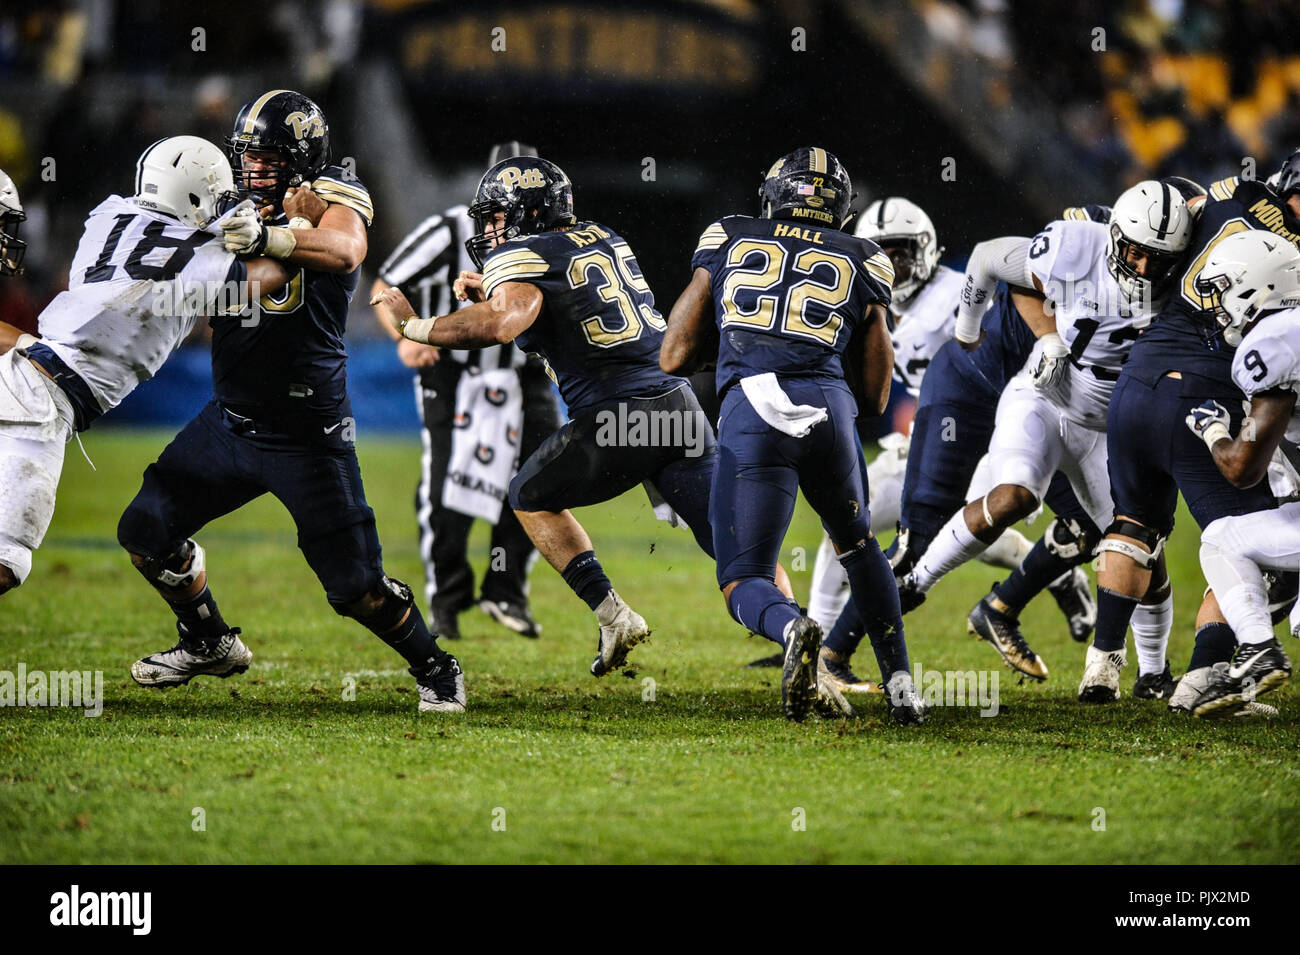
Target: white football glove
1051 377
1209 421
243 231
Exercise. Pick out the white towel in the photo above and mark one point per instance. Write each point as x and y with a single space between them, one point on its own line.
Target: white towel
775 407
663 510
484 443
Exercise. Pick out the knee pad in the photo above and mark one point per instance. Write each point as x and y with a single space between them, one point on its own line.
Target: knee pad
1153 539
394 601
1070 540
174 574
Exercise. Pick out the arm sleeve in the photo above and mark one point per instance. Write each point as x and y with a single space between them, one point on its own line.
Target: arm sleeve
1005 259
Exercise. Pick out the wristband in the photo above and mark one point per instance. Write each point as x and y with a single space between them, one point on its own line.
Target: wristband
417 329
280 242
1213 432
300 222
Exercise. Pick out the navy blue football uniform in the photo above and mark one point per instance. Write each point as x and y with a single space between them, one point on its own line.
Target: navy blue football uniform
279 422
787 300
599 332
1178 362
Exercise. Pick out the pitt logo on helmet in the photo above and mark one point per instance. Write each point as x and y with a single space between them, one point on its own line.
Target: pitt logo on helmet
304 125
527 179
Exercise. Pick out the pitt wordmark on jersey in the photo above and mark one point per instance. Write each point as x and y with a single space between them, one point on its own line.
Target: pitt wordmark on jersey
598 329
788 297
1092 316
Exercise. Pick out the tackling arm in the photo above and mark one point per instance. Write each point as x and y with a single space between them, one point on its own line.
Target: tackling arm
338 244
689 324
1244 460
1005 259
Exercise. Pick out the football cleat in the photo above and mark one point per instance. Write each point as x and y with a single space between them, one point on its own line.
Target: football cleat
442 687
803 639
831 703
1190 686
905 704
222 657
835 669
512 616
1003 631
444 623
1155 686
1258 709
1100 683
625 630
1073 594
1255 668
910 595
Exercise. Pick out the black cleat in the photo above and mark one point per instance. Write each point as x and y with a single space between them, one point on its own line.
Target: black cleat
909 594
1155 686
803 640
1255 668
1073 594
1003 631
512 616
444 624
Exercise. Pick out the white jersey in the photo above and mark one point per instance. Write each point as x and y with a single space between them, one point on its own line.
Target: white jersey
1268 359
1092 317
137 283
923 325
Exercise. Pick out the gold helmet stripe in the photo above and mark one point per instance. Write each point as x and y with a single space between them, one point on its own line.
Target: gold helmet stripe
818 159
257 108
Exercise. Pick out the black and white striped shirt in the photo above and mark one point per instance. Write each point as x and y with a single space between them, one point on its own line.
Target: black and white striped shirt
425 264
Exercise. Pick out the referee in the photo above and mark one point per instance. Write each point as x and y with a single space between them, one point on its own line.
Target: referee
424 266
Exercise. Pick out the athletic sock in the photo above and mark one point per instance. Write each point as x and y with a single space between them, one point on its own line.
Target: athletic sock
1039 569
846 633
414 642
1114 611
875 595
587 579
757 604
1151 626
953 546
199 616
829 593
1215 643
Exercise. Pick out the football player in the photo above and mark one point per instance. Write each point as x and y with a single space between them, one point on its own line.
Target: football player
921 315
572 292
146 267
1081 303
1256 277
795 299
12 249
1180 362
280 420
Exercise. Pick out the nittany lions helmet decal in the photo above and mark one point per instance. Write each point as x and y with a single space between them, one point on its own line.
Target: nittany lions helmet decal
283 122
12 248
1151 218
808 185
534 194
905 232
1250 272
184 176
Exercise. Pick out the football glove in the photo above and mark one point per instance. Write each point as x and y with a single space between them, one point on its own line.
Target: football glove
245 234
1209 421
1051 377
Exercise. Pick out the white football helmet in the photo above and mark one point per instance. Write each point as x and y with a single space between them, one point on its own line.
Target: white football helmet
186 177
1151 218
897 224
1249 272
12 248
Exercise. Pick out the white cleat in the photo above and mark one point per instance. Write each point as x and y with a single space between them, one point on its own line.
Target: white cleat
830 694
1100 682
442 687
188 659
626 628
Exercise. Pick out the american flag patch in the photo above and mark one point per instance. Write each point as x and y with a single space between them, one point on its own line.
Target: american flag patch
806 190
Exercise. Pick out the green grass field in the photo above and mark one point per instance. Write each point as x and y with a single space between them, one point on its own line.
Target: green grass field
550 765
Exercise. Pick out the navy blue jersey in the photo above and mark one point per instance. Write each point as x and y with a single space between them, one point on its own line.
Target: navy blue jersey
1007 343
289 359
1184 337
598 329
788 297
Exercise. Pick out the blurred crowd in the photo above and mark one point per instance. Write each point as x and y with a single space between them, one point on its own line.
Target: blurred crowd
1187 87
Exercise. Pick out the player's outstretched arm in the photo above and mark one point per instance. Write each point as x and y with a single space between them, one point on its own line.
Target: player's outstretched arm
511 310
1005 259
689 324
1244 460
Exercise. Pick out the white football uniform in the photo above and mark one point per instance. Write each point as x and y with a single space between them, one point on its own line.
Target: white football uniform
1235 550
137 283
